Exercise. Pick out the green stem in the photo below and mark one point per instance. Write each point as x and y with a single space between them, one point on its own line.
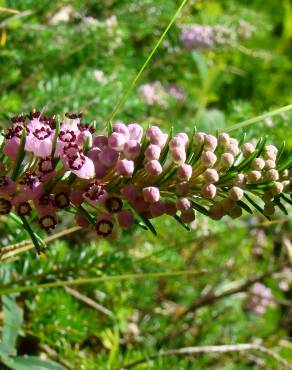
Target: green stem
259 118
123 98
92 280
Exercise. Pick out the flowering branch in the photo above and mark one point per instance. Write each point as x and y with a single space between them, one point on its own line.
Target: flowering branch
127 176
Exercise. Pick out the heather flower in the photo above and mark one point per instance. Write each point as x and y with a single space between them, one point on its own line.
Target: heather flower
197 37
260 298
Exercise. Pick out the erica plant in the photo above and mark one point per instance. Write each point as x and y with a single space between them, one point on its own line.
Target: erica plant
126 177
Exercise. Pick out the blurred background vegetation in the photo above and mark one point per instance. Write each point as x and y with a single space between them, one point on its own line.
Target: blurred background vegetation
81 56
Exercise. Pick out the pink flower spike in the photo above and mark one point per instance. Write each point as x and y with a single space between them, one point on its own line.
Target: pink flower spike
126 219
135 131
125 167
151 194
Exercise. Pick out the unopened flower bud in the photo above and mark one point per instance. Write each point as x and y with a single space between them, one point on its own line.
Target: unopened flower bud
247 149
209 191
178 155
226 160
269 164
125 167
254 176
268 196
176 142
132 149
183 204
223 140
210 176
184 172
272 175
286 185
208 159
108 157
210 143
184 137
100 141
122 129
227 204
170 208
233 141
153 168
135 131
116 141
151 194
199 138
236 193
157 209
278 188
239 180
130 192
126 218
257 164
217 212
232 149
152 152
182 188
188 216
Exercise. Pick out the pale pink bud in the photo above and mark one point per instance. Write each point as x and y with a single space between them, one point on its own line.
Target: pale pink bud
151 194
209 191
182 188
152 152
208 159
170 208
93 154
116 141
108 157
125 167
160 140
188 216
272 175
135 131
210 143
270 164
183 204
100 141
176 142
184 172
254 176
278 188
122 129
132 149
258 164
232 149
210 176
184 137
223 140
153 131
233 141
217 212
226 160
178 155
199 138
153 168
236 193
240 180
126 218
247 149
157 209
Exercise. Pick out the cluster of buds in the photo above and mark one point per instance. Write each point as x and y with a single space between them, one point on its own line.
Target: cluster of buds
260 298
129 176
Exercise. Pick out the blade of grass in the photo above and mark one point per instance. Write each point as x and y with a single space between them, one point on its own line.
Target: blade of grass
101 279
258 118
126 93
